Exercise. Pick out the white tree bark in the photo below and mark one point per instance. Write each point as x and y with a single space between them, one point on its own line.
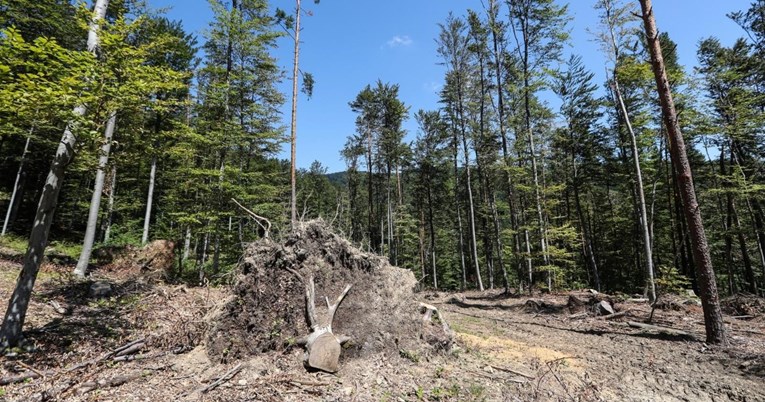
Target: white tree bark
149 200
95 200
16 184
10 332
110 203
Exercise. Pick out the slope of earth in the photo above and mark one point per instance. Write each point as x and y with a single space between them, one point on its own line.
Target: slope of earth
508 349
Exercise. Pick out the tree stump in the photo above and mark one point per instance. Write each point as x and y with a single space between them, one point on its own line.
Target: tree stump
322 346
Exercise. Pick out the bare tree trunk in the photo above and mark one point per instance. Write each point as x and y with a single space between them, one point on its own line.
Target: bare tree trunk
149 200
95 201
713 319
293 131
471 215
650 283
110 204
186 244
13 200
10 332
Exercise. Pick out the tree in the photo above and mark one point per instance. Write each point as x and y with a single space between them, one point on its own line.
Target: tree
614 21
453 47
308 87
580 108
539 27
10 332
713 319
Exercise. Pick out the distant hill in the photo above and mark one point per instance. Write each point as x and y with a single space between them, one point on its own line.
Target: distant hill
339 179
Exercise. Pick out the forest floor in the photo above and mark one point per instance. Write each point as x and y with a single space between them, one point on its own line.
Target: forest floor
507 349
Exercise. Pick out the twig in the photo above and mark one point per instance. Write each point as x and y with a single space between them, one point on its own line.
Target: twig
32 369
509 370
309 383
229 375
557 378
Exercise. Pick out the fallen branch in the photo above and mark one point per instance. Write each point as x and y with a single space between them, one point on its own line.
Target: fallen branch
615 315
104 356
19 378
127 358
130 350
511 371
661 330
110 383
225 378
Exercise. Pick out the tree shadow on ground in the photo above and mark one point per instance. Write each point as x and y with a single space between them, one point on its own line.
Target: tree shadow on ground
101 323
531 306
555 309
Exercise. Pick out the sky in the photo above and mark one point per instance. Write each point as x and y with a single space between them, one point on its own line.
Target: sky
347 45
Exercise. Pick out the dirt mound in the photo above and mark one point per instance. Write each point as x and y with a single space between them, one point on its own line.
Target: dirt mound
155 260
744 305
267 310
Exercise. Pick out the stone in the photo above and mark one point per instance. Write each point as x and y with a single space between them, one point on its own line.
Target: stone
604 308
100 290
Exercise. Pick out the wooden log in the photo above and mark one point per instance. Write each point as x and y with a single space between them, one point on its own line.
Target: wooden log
19 378
661 330
323 347
130 350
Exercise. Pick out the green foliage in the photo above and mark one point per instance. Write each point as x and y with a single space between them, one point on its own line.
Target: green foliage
671 281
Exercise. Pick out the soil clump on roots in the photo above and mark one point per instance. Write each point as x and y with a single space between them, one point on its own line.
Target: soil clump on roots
267 311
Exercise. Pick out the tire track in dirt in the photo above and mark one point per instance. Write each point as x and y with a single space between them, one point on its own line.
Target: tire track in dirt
619 363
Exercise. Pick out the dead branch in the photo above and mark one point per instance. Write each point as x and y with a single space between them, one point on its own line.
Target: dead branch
226 377
19 378
661 330
511 371
615 315
264 223
132 349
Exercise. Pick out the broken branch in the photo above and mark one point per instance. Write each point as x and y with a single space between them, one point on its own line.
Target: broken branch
258 219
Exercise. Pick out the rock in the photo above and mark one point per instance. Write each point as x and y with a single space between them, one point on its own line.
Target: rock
100 289
347 391
242 382
575 305
592 291
692 294
604 308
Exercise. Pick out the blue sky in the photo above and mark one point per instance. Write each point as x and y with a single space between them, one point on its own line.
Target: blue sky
349 44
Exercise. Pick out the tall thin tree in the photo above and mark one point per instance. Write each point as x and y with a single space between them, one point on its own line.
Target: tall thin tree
713 320
10 332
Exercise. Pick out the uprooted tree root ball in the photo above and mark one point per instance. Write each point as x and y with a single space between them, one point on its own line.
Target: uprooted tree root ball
268 308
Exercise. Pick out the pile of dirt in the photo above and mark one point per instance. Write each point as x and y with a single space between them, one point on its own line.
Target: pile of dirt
744 305
267 310
154 261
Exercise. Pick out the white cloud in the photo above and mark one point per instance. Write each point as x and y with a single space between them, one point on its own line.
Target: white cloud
400 40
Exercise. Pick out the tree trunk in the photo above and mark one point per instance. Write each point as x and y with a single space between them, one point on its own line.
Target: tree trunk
149 200
110 204
186 244
16 186
471 216
715 330
650 284
293 130
95 201
10 332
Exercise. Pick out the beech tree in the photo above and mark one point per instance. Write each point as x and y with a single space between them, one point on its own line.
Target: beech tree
13 321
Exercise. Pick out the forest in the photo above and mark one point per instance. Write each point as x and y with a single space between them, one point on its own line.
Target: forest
118 128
